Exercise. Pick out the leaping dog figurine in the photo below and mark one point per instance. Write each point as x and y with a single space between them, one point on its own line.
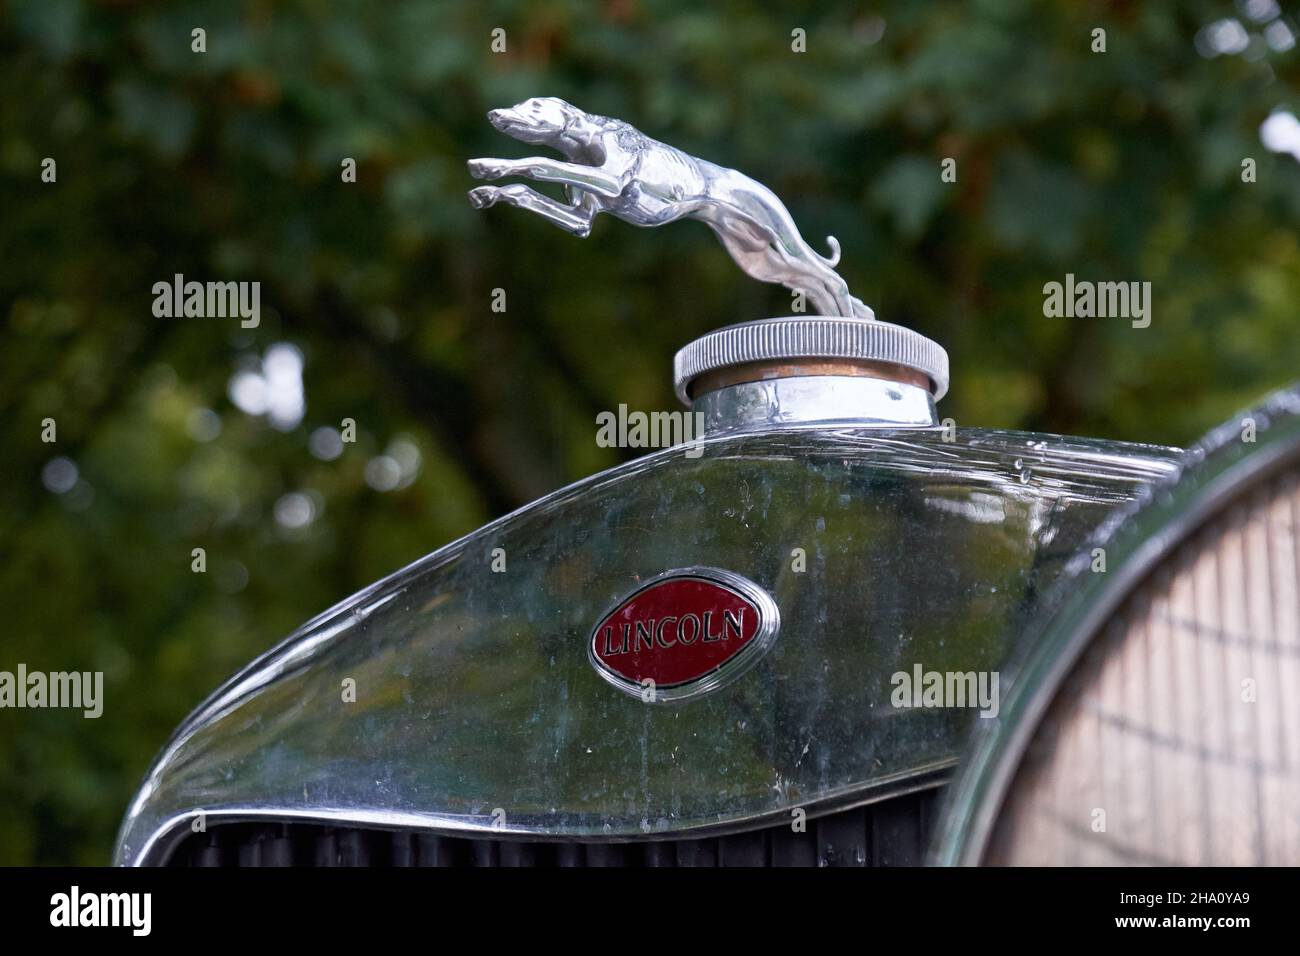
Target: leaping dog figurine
615 168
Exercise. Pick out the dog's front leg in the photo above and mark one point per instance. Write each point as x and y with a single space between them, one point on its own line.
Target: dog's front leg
590 178
575 219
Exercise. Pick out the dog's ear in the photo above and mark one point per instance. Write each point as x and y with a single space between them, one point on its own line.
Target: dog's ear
578 121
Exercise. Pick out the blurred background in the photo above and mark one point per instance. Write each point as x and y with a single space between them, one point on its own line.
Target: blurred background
175 434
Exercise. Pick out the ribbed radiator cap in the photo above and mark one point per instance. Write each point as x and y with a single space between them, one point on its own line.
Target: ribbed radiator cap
797 338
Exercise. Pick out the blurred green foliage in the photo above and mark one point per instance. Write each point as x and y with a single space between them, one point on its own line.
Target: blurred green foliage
1123 165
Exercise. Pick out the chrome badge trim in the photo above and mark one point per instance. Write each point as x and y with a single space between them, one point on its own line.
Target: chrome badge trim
727 670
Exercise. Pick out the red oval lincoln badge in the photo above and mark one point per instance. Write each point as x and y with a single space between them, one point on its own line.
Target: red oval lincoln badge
684 633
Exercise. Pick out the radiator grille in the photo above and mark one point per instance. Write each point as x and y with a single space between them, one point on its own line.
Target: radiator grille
889 833
1176 741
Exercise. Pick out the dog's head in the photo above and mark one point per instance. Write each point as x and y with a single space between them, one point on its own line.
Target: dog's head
541 120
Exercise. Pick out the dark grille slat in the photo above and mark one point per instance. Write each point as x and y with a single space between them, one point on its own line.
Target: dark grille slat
518 853
326 850
354 848
896 830
209 854
277 849
697 853
662 853
438 851
789 848
744 849
486 852
890 833
569 855
842 839
402 852
605 854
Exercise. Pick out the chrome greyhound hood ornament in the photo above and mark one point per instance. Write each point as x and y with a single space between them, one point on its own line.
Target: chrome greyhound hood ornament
612 167
615 168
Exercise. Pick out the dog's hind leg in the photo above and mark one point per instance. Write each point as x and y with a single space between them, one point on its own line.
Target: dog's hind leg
823 285
827 290
766 252
575 219
838 291
750 243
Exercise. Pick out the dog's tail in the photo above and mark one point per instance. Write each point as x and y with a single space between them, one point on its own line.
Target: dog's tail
834 259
